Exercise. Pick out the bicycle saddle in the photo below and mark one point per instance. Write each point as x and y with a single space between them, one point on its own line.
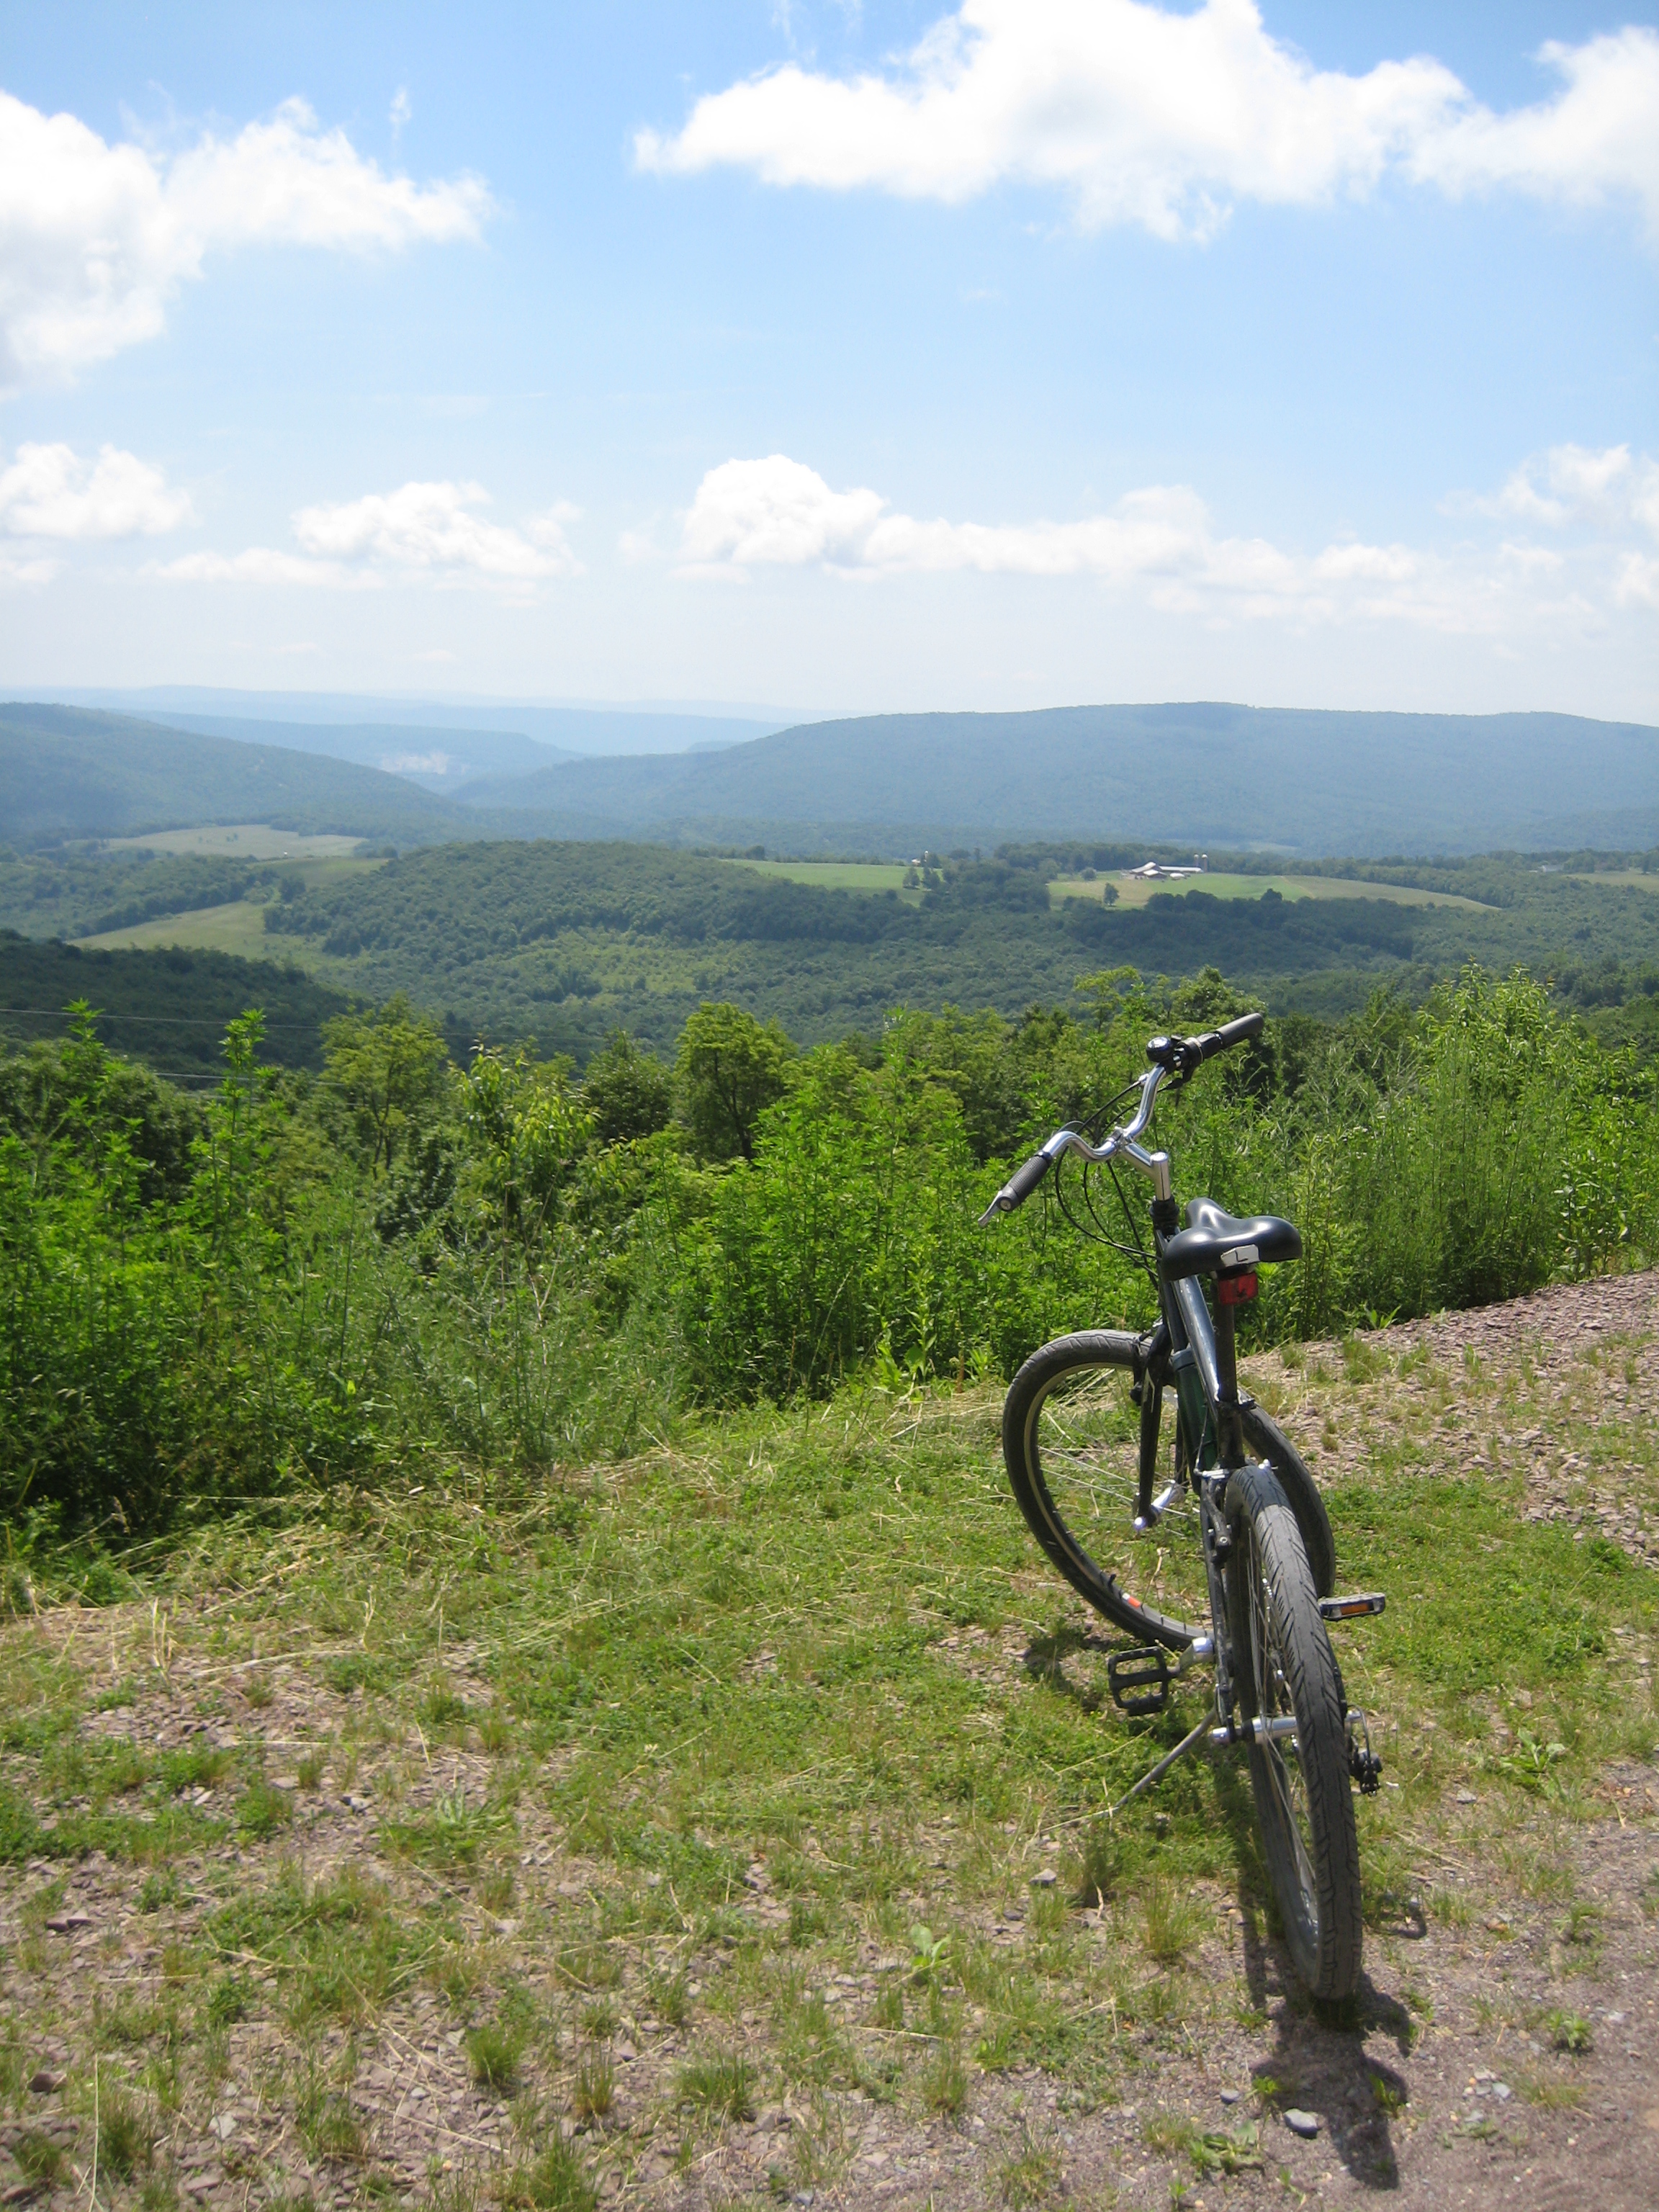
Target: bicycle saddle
1213 1239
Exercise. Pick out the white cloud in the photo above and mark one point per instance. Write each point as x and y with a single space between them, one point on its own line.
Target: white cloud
1575 484
1160 543
95 239
1638 582
1146 115
50 491
264 564
27 567
434 527
420 530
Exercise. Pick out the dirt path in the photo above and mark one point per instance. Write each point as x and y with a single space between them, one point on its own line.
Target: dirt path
262 2009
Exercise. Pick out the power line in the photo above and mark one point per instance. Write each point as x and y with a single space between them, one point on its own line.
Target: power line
154 1021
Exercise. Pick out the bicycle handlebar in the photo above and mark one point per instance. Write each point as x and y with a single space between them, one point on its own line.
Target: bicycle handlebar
1174 1056
1019 1186
1232 1033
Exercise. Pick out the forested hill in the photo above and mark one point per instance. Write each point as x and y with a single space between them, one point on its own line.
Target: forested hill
1304 780
562 942
168 1008
66 772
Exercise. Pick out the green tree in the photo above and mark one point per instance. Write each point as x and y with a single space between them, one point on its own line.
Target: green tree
729 1068
390 1072
629 1094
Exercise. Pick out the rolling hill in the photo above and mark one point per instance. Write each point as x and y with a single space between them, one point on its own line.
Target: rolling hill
1304 781
648 727
169 1007
434 756
69 773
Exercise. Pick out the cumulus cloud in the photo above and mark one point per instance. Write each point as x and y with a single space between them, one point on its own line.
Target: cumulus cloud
1607 485
1143 115
1160 541
779 513
436 527
52 491
433 530
95 239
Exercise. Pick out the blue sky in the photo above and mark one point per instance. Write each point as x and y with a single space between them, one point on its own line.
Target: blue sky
833 356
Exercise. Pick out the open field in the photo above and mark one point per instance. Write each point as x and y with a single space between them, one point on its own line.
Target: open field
727 1827
239 925
1137 891
241 841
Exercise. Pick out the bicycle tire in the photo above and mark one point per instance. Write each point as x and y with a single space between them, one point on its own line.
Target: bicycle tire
1267 1441
1285 1668
1071 1442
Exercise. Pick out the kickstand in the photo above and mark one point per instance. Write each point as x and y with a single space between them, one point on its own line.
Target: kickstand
1187 1743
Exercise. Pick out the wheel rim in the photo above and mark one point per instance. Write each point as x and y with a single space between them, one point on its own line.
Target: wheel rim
1280 1755
1084 1446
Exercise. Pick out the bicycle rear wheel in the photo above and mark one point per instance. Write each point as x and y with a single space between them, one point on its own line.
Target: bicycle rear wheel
1284 1671
1071 1437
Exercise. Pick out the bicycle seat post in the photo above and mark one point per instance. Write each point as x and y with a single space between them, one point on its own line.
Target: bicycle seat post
1229 1428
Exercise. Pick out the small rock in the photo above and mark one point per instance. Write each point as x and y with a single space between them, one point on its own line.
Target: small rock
223 2125
62 1923
1501 2091
46 2080
1229 2096
21 2193
1046 1879
1468 1797
1302 2124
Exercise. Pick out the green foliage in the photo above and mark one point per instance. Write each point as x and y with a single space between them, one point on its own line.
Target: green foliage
388 1072
730 1067
168 1008
291 1283
629 1094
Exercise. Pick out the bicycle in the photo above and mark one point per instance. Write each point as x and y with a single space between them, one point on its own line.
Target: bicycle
1241 1542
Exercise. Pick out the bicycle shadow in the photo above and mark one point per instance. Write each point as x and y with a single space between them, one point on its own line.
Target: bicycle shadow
1320 2062
1044 1660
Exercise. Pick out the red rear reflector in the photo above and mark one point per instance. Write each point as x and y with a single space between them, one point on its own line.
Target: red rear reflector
1233 1290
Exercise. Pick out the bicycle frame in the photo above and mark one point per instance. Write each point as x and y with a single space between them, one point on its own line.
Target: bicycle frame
1199 1355
1268 1562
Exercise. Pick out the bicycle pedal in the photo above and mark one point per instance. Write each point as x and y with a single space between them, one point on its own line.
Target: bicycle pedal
1140 1680
1352 1608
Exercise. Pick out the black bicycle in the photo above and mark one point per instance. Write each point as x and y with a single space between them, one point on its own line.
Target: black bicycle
1226 1556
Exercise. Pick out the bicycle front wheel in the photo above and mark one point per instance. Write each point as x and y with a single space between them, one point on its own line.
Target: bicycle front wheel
1286 1675
1071 1436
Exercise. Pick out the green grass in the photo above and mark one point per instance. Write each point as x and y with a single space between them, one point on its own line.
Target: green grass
238 926
1134 891
241 841
806 1816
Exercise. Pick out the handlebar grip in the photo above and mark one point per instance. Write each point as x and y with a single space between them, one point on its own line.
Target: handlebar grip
1019 1186
1023 1181
1224 1039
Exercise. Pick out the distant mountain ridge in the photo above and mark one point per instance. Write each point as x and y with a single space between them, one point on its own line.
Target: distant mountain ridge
1305 779
68 773
435 756
1206 775
591 728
